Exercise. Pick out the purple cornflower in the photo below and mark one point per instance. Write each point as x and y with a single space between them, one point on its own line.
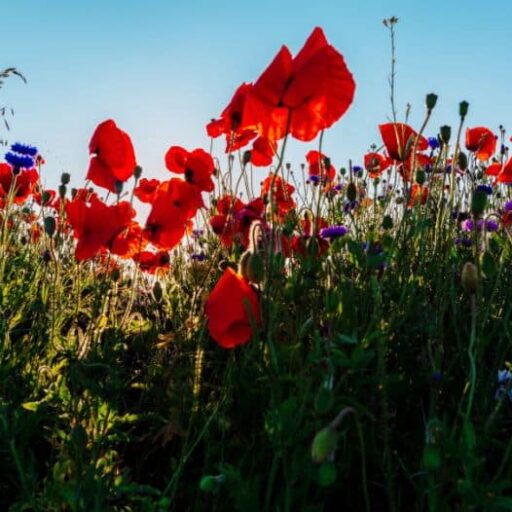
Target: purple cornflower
314 179
199 256
19 161
507 206
197 233
485 188
490 225
24 149
463 241
333 232
433 142
338 187
357 170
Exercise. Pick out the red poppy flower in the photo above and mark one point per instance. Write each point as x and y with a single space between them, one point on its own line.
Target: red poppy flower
197 166
481 141
505 175
419 194
262 152
493 169
129 242
399 139
315 88
24 183
320 165
96 225
152 262
305 245
376 164
48 196
230 308
281 194
307 225
145 191
113 156
175 203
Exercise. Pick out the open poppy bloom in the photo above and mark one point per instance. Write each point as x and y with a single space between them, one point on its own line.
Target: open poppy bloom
301 95
493 169
197 166
175 203
152 262
230 309
96 225
481 141
129 242
262 152
419 195
320 165
279 192
399 139
113 157
24 183
376 164
145 191
505 174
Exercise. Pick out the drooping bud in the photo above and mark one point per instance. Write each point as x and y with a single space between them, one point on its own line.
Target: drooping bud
324 444
469 278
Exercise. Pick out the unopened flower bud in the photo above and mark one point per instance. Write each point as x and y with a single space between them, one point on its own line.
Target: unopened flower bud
137 172
157 291
469 278
118 185
65 178
420 177
247 157
462 161
387 222
324 444
478 202
351 191
211 483
49 226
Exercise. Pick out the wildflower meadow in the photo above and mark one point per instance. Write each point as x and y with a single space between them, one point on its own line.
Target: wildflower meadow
334 336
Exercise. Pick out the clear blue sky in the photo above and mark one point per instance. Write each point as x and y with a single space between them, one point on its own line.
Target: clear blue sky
162 69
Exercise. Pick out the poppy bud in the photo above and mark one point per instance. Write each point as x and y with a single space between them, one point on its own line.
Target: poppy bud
118 185
431 458
421 177
211 483
469 277
49 226
324 444
137 172
45 197
65 178
445 132
246 158
243 264
62 191
74 192
343 171
351 191
431 100
157 291
463 109
478 202
115 275
387 222
462 160
47 256
255 270
327 474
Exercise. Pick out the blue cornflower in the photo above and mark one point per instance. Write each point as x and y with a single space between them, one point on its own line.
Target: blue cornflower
199 256
485 188
335 231
24 149
433 142
357 170
338 187
314 179
19 161
508 206
504 376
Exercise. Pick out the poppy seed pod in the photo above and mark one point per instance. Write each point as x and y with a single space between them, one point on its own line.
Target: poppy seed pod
469 277
462 160
65 178
420 177
463 109
49 226
445 132
431 101
324 445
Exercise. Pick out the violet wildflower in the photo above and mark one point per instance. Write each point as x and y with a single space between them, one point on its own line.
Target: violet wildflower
24 149
507 206
19 161
199 256
433 142
485 188
314 179
491 225
463 241
333 232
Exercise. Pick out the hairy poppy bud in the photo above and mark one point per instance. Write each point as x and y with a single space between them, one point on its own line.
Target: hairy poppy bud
115 275
420 177
137 172
243 264
65 178
469 277
247 157
462 160
49 226
351 191
445 132
478 202
431 101
387 222
255 270
157 291
463 109
324 444
211 483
